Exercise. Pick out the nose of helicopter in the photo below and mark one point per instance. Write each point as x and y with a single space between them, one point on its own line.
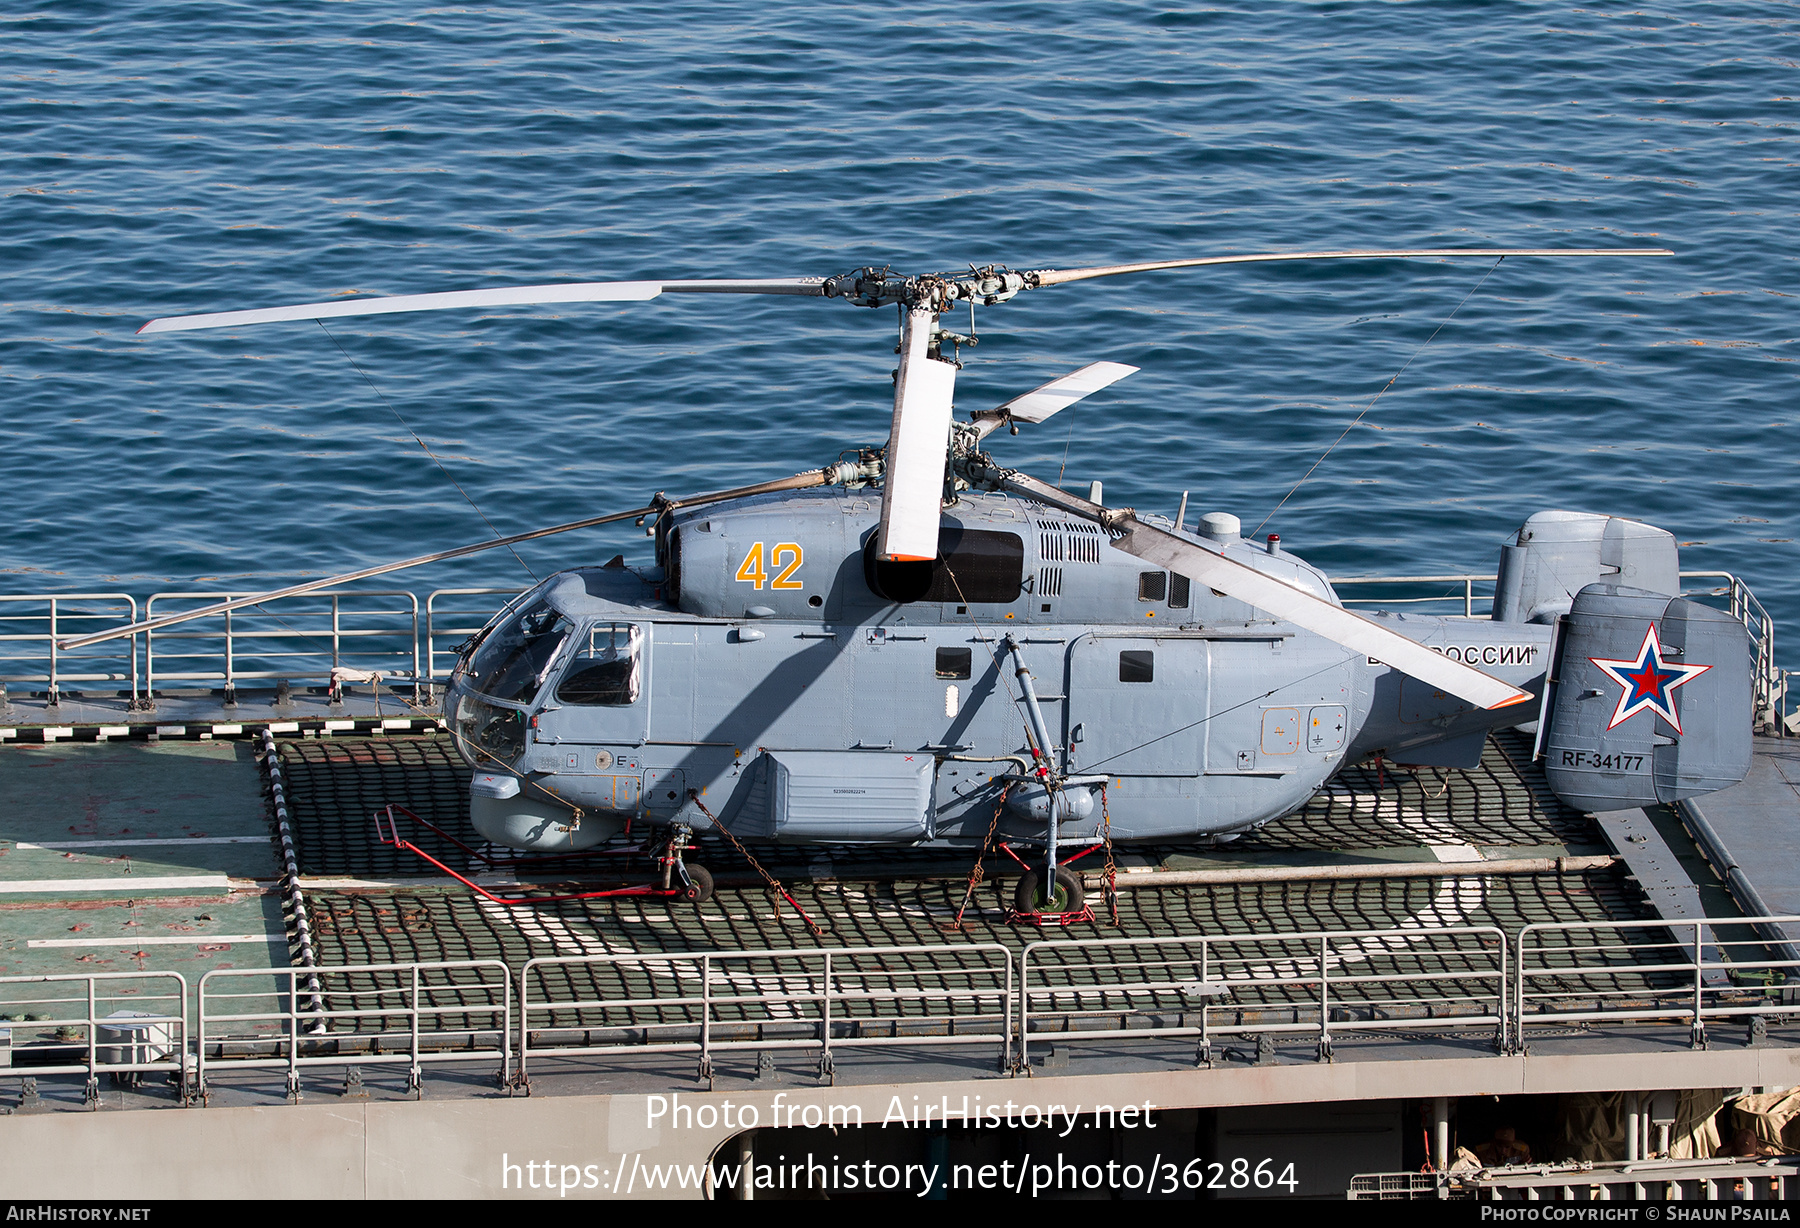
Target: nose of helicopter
538 826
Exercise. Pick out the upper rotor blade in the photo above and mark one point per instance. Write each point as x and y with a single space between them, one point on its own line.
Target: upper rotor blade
1056 277
511 296
1281 599
912 493
801 481
1060 393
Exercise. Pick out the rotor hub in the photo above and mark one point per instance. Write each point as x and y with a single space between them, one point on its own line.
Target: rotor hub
938 292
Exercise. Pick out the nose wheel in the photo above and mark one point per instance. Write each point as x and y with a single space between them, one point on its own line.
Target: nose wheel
691 883
699 886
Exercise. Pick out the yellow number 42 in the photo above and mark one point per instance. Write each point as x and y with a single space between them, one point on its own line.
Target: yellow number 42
785 558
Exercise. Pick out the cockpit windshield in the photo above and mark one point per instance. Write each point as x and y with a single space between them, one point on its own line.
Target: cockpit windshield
516 657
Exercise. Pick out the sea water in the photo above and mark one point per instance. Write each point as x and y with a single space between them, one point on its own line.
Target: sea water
159 159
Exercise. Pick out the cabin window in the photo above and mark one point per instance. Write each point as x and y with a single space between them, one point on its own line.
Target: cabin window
605 672
1178 591
973 567
1137 665
514 660
954 662
1152 585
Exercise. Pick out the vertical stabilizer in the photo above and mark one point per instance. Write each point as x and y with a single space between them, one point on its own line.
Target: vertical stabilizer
1558 554
1651 701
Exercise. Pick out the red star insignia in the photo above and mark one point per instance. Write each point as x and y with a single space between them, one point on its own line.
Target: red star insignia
1649 682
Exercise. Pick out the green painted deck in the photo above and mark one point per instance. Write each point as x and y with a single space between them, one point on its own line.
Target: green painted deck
135 856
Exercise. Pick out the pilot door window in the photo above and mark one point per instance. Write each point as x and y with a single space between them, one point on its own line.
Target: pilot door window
605 672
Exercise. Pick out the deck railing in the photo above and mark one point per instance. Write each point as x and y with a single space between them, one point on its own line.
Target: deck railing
1691 971
334 635
332 638
1320 987
32 625
718 1002
408 1014
121 1024
1264 987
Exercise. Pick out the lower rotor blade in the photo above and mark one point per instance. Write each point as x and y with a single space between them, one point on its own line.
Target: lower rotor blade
912 493
1038 404
1274 596
1056 277
802 481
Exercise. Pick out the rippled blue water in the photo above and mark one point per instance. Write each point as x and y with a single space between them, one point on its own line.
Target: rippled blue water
160 159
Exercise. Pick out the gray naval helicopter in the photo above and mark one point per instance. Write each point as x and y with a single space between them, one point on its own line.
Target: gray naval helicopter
921 646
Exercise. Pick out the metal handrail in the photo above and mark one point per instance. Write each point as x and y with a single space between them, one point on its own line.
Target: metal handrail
1467 579
823 982
1220 969
1769 681
311 662
105 1056
432 631
58 630
1682 970
289 1020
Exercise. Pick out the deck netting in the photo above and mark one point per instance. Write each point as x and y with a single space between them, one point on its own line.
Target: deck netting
335 785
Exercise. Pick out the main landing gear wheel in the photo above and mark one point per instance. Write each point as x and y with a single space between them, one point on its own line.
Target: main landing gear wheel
1067 897
699 886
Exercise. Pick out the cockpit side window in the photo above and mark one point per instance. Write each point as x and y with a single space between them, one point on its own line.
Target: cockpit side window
514 660
605 672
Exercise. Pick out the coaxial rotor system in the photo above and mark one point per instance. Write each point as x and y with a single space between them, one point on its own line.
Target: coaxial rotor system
926 450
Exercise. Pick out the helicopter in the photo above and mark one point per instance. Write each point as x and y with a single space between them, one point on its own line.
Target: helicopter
921 646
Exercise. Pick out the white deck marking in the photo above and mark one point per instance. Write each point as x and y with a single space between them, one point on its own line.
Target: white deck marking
137 843
536 924
158 941
125 884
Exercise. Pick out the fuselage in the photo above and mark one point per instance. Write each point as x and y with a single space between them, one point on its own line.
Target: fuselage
770 675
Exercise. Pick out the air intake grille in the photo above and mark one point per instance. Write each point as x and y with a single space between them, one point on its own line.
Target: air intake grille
1062 541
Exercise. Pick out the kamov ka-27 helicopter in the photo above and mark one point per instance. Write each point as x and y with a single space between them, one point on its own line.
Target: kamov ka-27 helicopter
977 655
